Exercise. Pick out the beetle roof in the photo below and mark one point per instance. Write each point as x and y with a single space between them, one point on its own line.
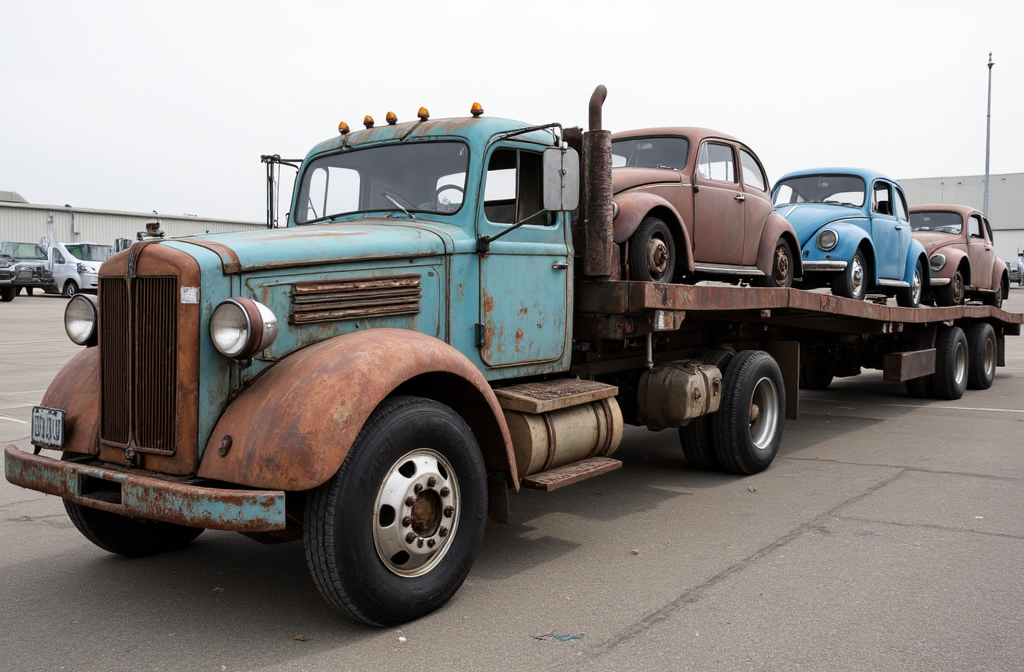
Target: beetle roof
694 133
867 175
964 210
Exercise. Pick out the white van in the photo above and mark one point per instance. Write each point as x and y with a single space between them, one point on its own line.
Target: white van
75 266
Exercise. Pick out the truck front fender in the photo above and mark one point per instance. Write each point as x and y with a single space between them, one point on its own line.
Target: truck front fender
292 428
777 227
76 391
635 205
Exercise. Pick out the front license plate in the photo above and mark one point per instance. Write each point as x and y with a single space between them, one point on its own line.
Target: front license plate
47 427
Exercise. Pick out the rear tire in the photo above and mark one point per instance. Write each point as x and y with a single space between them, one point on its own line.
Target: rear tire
997 298
910 297
983 351
782 266
921 388
951 364
697 438
127 536
652 252
748 425
394 533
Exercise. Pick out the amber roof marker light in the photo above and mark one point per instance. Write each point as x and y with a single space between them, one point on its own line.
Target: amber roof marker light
368 121
423 114
392 118
343 128
476 110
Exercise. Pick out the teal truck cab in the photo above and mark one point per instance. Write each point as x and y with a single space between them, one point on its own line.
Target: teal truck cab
441 322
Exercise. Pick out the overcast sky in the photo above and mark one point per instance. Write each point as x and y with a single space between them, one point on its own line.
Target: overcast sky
167 106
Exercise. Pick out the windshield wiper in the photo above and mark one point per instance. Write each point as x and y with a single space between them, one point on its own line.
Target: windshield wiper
399 206
849 205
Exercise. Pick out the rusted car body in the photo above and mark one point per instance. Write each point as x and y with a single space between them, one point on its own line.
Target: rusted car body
959 243
692 204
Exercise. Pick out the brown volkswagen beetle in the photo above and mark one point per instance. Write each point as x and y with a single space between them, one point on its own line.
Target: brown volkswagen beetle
958 240
693 204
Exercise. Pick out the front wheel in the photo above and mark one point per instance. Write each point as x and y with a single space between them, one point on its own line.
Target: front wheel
127 536
8 293
749 422
910 297
70 288
394 533
953 293
853 281
652 252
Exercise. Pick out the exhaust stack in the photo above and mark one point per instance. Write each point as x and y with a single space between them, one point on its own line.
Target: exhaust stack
599 251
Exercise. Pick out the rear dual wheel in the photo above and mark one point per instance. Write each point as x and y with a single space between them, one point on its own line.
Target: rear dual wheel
749 422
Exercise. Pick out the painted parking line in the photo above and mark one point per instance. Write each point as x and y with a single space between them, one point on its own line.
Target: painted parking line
4 417
941 407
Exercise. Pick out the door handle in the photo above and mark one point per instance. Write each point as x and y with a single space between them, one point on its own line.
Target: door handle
899 228
740 197
558 266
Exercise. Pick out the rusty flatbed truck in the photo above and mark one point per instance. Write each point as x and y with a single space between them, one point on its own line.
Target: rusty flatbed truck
436 326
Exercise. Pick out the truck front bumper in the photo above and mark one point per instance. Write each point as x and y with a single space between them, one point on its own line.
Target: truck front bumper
147 495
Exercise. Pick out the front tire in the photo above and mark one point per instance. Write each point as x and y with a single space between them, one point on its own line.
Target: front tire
910 297
748 425
853 281
953 293
8 293
394 533
70 288
652 252
127 536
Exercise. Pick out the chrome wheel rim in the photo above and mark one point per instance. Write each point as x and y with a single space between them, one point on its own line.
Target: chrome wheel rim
764 413
960 363
917 286
657 257
416 513
857 276
990 358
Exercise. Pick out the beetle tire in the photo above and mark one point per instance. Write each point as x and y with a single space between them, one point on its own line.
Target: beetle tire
995 299
910 297
844 282
127 536
697 438
782 267
344 534
982 350
952 364
746 445
651 239
953 293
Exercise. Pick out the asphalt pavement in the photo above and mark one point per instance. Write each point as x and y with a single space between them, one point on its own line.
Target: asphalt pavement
887 535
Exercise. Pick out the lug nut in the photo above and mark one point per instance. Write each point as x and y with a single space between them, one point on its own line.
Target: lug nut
443 532
411 537
418 488
431 542
445 492
409 501
407 521
449 511
431 482
419 543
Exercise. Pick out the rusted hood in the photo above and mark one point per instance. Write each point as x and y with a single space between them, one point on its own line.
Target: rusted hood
368 238
627 178
933 240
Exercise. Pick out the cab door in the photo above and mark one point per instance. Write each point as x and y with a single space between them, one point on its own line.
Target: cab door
524 278
718 206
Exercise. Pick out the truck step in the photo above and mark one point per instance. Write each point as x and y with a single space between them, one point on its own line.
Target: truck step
574 472
551 395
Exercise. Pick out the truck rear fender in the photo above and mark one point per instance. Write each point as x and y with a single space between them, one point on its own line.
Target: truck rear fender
777 227
76 391
292 428
635 205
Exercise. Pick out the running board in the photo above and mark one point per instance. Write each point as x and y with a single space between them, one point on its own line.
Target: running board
727 269
574 472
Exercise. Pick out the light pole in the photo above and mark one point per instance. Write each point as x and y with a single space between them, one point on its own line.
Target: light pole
988 131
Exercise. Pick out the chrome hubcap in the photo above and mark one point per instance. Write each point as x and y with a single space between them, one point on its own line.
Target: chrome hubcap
917 286
416 513
960 363
857 276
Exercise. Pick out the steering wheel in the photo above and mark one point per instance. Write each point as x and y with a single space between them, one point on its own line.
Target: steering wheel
446 206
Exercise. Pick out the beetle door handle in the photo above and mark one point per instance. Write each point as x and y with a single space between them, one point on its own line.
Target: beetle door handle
558 265
740 197
899 228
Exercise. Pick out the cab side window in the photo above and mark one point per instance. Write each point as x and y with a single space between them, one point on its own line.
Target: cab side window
752 175
881 200
716 162
974 227
513 190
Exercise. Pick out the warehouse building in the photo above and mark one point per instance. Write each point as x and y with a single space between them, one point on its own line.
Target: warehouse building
24 222
1005 203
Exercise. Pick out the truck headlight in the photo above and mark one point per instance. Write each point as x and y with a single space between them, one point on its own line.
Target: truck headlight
241 327
937 262
828 239
82 268
80 318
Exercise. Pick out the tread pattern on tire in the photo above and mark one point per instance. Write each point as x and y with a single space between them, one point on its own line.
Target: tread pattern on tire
944 385
978 334
731 428
124 536
696 438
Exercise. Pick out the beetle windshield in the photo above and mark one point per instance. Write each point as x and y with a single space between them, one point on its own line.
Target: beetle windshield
407 178
834 189
651 152
946 222
90 252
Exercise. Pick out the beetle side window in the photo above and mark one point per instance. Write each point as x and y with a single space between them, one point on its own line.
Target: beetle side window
974 227
881 201
716 162
988 232
901 206
752 175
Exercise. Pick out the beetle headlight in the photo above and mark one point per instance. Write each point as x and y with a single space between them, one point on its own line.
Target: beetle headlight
80 318
828 239
937 261
241 327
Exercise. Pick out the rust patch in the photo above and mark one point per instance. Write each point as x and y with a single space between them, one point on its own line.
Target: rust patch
488 303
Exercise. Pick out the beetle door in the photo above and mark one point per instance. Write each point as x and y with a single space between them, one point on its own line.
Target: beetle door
718 206
758 205
886 232
979 249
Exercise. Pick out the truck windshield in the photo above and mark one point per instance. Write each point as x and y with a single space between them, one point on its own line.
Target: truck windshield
834 189
651 152
946 222
90 252
416 177
22 250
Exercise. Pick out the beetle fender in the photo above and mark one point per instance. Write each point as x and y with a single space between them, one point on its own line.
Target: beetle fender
777 227
956 259
635 205
293 427
1001 274
916 253
76 390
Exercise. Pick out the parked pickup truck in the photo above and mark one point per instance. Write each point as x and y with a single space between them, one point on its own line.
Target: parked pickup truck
441 322
23 266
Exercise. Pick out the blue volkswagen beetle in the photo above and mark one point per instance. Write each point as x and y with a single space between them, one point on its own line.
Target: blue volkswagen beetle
854 233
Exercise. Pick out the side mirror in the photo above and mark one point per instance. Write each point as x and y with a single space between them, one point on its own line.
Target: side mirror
561 179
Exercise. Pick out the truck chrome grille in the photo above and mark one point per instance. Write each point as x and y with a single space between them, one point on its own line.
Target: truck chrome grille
139 361
355 298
